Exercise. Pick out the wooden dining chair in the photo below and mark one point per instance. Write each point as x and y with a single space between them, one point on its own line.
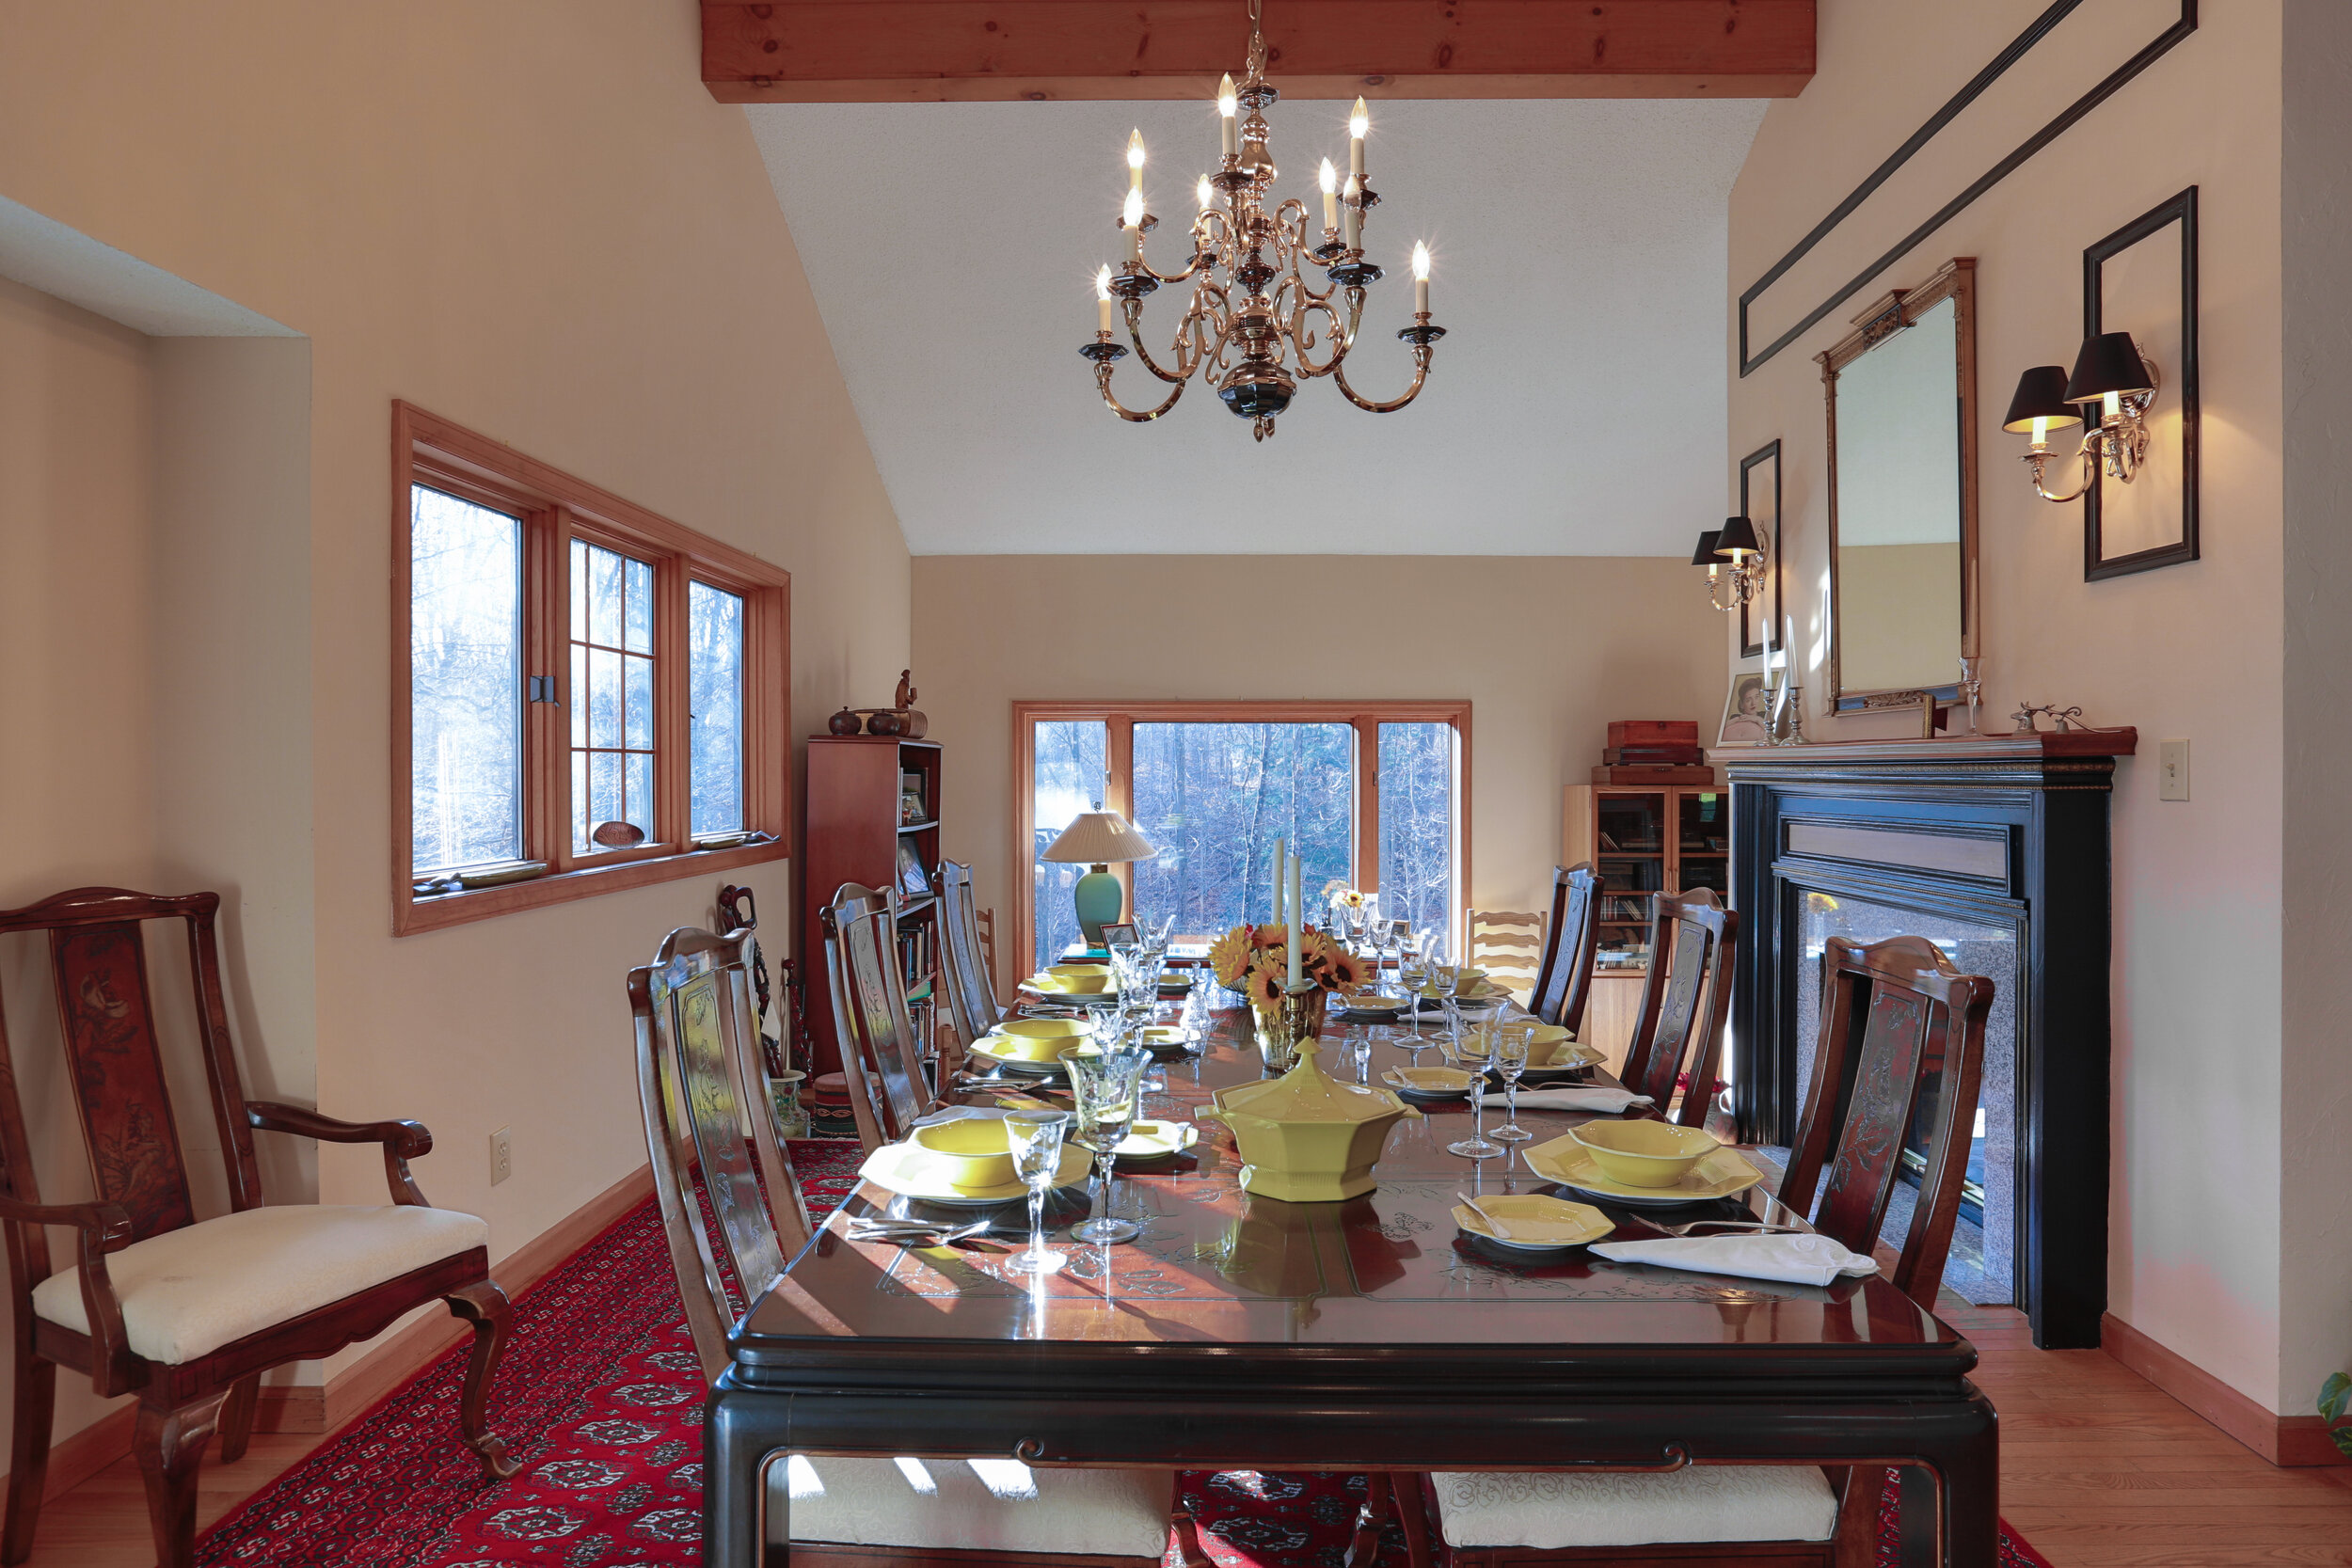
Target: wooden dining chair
698 1081
187 1313
1506 943
1901 1047
1564 981
869 1014
971 998
986 921
1679 1035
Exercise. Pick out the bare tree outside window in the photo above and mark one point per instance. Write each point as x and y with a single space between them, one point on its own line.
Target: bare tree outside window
465 658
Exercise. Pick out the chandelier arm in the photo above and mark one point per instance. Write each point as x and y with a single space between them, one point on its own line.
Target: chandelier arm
1420 375
1135 335
1103 380
1303 341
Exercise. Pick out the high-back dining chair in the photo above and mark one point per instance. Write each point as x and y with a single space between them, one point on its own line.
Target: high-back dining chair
869 1014
698 1079
971 998
985 920
187 1313
1564 981
1679 1035
1902 1044
1506 943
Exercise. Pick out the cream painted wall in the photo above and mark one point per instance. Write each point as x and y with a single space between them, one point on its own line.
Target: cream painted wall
2190 651
1548 650
530 218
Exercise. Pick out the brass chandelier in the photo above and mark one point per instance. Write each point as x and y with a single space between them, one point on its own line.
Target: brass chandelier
1250 329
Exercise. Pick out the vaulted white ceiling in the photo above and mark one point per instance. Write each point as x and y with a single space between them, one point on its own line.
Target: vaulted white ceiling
1575 408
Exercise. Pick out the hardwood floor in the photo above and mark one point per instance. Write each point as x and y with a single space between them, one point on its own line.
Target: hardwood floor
2098 1470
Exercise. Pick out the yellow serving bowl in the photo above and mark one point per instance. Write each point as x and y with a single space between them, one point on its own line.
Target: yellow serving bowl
971 1151
1045 1028
1645 1153
1305 1138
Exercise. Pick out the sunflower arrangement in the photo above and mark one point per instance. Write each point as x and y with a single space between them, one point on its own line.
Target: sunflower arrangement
1255 960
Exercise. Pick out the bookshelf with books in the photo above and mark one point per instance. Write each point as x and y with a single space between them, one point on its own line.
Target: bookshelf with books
1643 841
873 819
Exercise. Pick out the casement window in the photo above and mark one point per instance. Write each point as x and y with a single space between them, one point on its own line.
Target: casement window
586 696
1373 794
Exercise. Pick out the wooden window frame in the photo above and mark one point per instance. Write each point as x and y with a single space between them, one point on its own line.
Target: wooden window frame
554 507
1118 752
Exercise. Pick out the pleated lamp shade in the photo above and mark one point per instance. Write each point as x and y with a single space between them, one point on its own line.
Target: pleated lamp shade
1099 838
1705 554
1737 537
2109 362
2040 395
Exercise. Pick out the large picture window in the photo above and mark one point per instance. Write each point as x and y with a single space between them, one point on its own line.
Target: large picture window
588 696
1369 795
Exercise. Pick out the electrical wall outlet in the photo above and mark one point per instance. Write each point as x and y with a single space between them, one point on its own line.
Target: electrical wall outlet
502 1155
2172 771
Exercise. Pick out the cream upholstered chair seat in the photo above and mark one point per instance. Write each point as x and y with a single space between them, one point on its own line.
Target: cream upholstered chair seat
999 1505
1547 1511
188 1293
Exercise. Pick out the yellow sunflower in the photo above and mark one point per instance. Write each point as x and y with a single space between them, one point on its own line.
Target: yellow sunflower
1340 971
1269 936
1229 957
1264 986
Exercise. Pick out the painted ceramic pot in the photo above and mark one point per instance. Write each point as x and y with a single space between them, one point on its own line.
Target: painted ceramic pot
845 722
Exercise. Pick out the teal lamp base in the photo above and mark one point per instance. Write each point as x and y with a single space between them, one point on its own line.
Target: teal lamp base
1100 898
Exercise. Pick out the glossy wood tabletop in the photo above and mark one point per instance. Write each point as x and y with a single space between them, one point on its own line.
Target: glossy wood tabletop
1387 1276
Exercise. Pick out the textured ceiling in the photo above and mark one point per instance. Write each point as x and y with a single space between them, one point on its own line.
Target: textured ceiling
1576 408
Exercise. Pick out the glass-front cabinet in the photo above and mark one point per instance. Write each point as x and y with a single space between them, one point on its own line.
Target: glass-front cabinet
1644 841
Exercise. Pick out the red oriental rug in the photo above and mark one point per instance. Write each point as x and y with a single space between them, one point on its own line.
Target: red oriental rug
600 1396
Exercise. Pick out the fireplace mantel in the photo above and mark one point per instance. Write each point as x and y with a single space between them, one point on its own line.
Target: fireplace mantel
2006 836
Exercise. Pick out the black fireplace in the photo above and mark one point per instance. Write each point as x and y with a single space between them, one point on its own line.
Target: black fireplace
1997 851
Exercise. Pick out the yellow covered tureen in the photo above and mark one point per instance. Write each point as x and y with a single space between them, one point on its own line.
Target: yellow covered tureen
1306 1137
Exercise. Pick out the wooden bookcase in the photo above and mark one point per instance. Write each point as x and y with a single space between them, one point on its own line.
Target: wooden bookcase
1643 839
853 833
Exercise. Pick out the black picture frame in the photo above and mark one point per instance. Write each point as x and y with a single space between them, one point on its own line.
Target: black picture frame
912 880
2181 210
1753 647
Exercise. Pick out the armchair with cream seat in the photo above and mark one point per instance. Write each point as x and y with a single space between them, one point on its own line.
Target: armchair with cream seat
696 1066
185 1312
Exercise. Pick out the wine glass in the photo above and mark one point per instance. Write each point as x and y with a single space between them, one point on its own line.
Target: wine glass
1511 1042
1360 1052
1477 1146
1035 1138
1105 1088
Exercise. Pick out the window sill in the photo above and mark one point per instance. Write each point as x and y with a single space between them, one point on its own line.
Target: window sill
412 914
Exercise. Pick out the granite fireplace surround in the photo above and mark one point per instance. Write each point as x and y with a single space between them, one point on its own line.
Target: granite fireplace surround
1996 849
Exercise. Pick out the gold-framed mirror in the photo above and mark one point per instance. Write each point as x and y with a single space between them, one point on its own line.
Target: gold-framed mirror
1901 390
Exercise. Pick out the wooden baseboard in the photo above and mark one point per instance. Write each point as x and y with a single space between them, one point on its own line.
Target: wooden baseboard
75 1458
2283 1440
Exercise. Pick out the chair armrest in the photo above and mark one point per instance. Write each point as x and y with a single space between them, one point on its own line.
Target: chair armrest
402 1141
101 1228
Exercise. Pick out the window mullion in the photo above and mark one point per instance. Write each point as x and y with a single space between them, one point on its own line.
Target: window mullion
1367 781
1118 790
673 789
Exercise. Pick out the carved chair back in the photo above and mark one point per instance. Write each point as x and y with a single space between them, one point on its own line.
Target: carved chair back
1678 1036
1505 943
878 1052
984 922
971 999
708 1127
106 1017
1902 1037
1564 981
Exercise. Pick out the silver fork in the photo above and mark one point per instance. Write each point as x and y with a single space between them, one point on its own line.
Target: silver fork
1762 1227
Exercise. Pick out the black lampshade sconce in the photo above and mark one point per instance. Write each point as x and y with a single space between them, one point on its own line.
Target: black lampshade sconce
1735 548
2110 373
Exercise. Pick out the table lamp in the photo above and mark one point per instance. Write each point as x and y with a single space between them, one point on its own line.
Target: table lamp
1099 838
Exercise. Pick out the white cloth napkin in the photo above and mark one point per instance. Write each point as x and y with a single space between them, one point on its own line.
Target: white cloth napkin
1581 1097
1789 1259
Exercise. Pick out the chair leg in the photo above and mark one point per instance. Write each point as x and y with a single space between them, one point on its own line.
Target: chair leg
169 1445
1415 1508
1363 1548
236 1417
28 1472
1856 1542
485 1306
1189 1548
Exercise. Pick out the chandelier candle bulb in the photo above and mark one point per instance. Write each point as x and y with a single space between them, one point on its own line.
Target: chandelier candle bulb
1359 122
1421 279
1355 214
1329 180
1133 219
1102 299
1227 105
1134 160
1204 194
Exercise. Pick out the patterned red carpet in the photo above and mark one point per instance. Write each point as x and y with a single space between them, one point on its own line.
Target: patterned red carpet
599 1395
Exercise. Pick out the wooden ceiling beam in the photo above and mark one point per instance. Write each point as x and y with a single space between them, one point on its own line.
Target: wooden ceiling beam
934 51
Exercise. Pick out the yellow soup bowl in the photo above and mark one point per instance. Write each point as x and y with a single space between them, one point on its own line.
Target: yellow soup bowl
1045 1028
1080 980
1028 1048
971 1153
1645 1153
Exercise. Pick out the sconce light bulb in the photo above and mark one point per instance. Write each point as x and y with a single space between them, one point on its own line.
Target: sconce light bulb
1359 120
2041 429
1227 100
1421 262
1102 281
2111 406
1328 177
1133 214
1135 150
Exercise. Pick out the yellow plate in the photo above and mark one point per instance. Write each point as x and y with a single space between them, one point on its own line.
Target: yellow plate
1538 1222
1154 1140
1569 1055
905 1170
1369 1003
1429 1080
1722 1174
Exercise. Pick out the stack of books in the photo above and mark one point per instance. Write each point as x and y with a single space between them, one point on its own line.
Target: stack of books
1653 752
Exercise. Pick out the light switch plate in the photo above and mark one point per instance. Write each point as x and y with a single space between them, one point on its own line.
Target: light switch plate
502 1155
2172 771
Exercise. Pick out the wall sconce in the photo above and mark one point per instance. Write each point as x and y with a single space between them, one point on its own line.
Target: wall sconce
2111 372
1737 543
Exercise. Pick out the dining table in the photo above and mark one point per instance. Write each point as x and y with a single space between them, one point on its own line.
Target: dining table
1240 1332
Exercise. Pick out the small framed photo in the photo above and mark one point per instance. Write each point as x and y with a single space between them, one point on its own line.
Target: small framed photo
911 882
1747 710
1120 933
